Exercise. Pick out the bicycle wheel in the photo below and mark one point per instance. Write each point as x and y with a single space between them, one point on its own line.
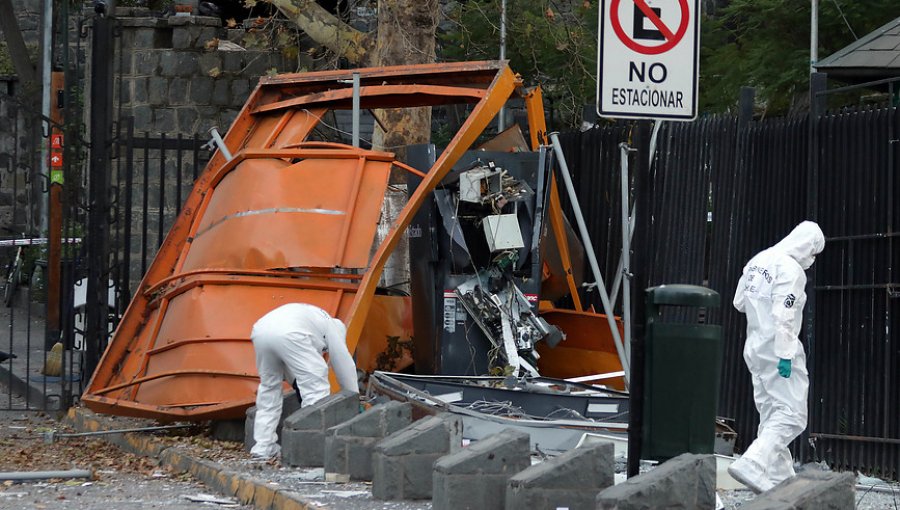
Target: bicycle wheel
12 281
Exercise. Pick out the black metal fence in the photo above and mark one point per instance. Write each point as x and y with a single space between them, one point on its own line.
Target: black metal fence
21 330
721 190
855 395
150 174
154 173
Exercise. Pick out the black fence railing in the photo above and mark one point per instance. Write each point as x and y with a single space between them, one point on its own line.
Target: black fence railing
154 173
855 359
721 191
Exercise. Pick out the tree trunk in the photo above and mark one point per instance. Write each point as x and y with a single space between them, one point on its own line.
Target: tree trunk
406 35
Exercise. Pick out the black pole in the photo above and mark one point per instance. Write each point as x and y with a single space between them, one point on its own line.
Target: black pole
96 308
818 84
745 106
639 283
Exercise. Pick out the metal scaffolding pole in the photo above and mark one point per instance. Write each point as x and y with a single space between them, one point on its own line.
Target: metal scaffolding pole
592 258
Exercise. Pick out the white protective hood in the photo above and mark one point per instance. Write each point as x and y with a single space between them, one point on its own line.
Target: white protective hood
803 243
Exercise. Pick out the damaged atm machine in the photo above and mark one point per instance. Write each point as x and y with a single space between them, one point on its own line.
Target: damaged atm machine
486 268
476 266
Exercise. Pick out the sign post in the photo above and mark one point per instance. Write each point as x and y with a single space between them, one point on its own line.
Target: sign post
647 68
647 59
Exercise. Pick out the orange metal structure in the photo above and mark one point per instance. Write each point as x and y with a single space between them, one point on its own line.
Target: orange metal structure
286 220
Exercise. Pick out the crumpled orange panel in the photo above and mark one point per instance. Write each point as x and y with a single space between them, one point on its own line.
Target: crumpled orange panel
268 214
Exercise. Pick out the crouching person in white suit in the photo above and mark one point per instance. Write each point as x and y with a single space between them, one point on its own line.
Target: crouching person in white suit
290 342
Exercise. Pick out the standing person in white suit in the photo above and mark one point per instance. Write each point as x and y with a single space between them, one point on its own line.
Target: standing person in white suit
771 293
290 342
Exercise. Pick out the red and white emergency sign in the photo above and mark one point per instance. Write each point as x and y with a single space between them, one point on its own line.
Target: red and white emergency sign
647 59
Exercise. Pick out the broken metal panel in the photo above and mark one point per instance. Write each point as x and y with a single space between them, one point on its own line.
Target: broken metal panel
556 414
314 213
234 252
201 355
220 287
588 348
386 341
555 285
377 97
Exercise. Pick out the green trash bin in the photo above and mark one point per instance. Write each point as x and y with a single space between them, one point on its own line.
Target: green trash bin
682 368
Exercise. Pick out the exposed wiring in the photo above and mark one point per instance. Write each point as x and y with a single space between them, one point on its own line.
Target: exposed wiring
347 133
472 350
878 487
495 408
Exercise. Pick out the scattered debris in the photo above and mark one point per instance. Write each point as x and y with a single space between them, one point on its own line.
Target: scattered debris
209 498
554 412
346 494
229 46
19 476
312 475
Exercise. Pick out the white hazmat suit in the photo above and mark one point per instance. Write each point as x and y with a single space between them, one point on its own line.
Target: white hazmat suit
289 342
771 292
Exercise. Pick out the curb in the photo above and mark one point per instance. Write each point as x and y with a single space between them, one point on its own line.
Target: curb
35 397
247 489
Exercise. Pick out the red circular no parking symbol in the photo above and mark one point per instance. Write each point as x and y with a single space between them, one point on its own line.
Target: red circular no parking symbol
671 37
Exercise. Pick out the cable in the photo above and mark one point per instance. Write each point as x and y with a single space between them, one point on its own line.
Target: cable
864 495
347 133
841 11
498 408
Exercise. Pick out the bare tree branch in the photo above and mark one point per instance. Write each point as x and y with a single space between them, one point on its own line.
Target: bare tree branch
15 43
326 29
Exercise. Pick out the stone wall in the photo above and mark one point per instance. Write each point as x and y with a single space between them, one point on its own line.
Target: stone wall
16 159
28 14
177 76
186 74
18 146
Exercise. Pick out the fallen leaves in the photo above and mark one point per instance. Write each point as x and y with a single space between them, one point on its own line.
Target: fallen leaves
24 449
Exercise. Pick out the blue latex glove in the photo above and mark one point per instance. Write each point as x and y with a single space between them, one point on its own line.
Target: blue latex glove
784 368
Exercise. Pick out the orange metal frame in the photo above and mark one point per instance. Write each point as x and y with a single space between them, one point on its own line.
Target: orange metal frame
288 219
182 349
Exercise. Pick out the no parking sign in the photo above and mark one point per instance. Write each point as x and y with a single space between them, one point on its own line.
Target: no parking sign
647 59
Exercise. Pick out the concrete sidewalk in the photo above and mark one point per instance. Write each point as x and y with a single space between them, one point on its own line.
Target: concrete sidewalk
226 468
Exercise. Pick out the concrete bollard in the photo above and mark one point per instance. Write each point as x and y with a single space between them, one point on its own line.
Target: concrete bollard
288 406
228 430
303 442
687 481
571 480
349 446
475 477
811 490
402 463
